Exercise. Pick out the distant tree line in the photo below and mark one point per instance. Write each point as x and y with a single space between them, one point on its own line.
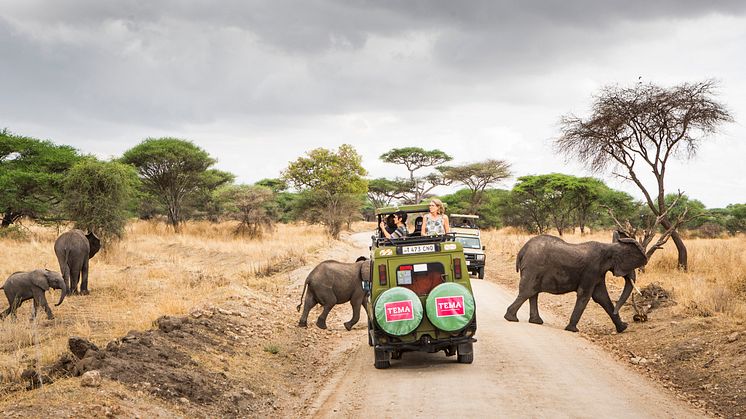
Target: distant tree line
633 130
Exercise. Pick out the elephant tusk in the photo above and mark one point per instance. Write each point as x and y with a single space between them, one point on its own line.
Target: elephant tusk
636 289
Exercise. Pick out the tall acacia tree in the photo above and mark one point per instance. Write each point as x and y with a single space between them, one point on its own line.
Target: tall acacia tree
640 129
331 185
171 170
477 177
416 158
32 173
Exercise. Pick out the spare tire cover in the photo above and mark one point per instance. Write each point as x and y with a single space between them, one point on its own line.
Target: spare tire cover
398 311
450 306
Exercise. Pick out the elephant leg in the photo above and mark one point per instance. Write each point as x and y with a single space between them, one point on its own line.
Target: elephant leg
512 311
84 280
601 296
582 300
40 300
308 303
74 277
534 310
355 303
321 321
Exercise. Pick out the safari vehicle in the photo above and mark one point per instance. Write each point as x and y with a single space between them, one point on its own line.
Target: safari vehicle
420 294
464 226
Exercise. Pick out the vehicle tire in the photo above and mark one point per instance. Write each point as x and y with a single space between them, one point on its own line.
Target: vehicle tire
480 273
465 353
450 306
382 360
398 311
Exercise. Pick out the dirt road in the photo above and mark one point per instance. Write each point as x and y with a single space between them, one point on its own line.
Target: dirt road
519 370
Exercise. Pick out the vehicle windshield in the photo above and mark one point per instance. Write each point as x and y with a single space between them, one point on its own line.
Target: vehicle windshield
469 242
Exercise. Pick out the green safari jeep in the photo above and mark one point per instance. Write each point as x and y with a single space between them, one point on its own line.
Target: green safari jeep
420 296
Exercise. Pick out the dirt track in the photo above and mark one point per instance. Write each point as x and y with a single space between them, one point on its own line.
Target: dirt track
519 370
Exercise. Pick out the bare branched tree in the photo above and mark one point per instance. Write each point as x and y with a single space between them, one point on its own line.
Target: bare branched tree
639 129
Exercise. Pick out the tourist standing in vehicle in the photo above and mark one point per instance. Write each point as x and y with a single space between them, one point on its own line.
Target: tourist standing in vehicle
400 217
436 221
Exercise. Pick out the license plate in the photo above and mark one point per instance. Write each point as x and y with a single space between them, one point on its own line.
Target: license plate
420 248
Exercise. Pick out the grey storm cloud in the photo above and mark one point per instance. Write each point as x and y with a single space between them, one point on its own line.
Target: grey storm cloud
162 62
102 75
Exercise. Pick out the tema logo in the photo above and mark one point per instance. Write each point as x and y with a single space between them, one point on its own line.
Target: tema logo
449 306
398 311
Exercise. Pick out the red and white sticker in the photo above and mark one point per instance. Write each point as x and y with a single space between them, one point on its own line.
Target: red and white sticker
398 311
449 306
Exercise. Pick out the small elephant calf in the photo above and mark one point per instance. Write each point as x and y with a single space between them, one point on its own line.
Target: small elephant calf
22 286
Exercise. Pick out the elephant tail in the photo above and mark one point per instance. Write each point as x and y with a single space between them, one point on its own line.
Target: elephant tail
518 258
305 285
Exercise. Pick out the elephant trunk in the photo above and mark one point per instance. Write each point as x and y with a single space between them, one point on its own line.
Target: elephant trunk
629 280
63 293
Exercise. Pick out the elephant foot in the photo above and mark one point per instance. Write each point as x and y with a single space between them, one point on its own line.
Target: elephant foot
50 317
621 327
536 320
320 324
348 326
510 317
84 292
571 328
302 324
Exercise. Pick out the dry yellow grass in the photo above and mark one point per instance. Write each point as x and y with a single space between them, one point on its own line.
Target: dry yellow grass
714 284
153 272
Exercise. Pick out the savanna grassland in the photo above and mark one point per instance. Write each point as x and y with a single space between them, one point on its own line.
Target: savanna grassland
694 339
239 294
232 302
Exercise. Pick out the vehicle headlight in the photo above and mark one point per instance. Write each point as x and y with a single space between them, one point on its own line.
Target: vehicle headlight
480 257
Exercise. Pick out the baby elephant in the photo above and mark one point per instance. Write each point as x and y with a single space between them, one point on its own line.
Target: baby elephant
22 286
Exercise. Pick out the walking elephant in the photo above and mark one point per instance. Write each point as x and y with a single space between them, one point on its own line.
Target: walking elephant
331 283
74 249
549 264
22 286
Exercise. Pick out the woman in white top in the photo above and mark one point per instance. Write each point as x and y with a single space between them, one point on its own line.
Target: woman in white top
435 222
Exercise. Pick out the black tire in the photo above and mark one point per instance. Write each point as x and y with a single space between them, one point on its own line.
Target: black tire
382 359
480 273
465 353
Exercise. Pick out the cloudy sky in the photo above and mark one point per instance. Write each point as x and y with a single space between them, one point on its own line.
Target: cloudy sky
259 83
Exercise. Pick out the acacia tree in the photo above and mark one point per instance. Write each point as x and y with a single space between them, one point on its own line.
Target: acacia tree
382 191
171 170
331 184
31 177
97 195
416 158
477 177
640 129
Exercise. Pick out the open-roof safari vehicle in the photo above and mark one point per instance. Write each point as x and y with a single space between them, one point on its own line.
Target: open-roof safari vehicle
464 226
420 296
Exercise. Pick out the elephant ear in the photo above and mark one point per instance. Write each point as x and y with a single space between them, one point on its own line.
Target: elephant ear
39 279
94 244
365 270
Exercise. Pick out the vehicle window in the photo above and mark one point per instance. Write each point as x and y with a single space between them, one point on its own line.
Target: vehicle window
469 242
420 277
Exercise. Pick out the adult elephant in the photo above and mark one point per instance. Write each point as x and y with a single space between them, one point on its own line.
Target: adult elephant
331 283
23 286
549 264
74 249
